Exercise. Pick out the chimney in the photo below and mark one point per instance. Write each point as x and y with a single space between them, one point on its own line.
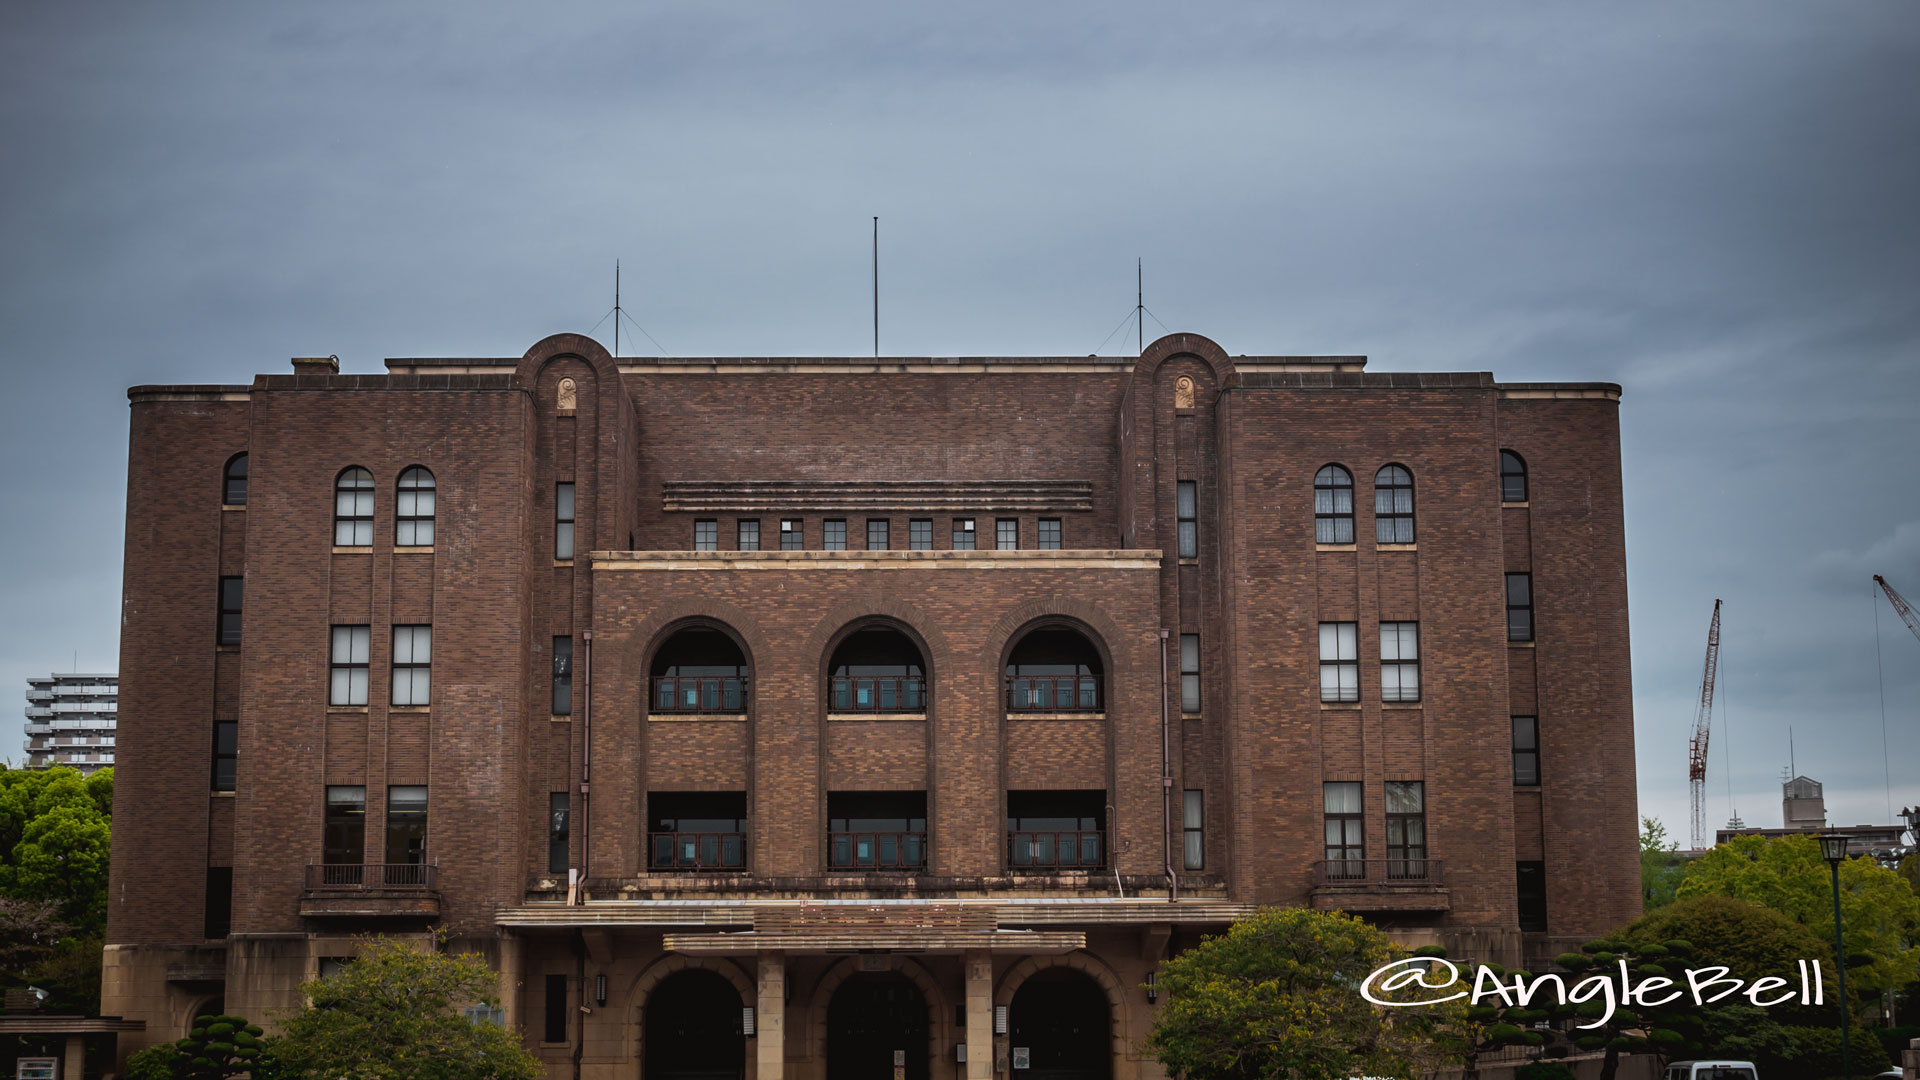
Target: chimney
316 365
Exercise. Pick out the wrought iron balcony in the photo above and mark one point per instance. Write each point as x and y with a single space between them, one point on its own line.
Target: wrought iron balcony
863 851
1054 694
700 694
678 852
1067 849
1389 871
878 694
1390 884
371 890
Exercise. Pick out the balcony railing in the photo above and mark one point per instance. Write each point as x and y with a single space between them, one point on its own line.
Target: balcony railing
1058 693
332 876
1057 850
700 694
878 694
876 850
681 851
1389 871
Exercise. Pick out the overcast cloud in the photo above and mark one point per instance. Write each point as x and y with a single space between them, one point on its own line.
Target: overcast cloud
1710 203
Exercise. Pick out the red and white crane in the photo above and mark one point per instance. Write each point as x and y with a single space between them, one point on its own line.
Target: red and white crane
1702 725
1900 605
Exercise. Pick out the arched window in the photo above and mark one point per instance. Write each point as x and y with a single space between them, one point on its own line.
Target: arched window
413 509
1393 505
1333 505
353 508
1513 477
878 670
234 493
1054 669
699 670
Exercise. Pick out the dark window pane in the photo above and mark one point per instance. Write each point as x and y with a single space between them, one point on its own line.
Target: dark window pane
562 676
555 1029
559 832
235 493
219 902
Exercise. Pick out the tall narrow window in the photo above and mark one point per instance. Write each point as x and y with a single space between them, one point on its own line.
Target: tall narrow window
1532 887
563 522
963 534
1519 607
1406 829
1189 673
1346 830
793 534
1393 505
833 534
555 1029
1006 534
1513 477
232 590
706 535
1049 534
234 491
877 539
1339 661
407 826
1193 831
559 832
562 676
348 670
1399 661
219 908
1526 751
1333 505
344 841
748 534
226 746
412 665
920 534
353 508
1189 513
413 509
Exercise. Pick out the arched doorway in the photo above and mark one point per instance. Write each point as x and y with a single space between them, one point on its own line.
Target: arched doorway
1060 1017
693 1029
873 1021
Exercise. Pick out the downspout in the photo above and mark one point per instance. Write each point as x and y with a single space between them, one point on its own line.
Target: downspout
586 755
1166 778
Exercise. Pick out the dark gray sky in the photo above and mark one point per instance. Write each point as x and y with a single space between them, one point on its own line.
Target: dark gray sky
1713 204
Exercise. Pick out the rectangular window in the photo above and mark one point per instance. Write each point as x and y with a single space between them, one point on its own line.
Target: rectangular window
219 907
793 534
877 830
231 591
920 534
1399 661
559 833
963 534
1006 534
749 534
407 826
1532 880
1189 513
706 535
1049 534
877 534
348 671
1056 830
696 830
834 534
563 521
1346 830
226 745
1339 661
1189 673
1519 607
1194 822
412 665
344 840
1526 751
1406 829
556 1025
563 676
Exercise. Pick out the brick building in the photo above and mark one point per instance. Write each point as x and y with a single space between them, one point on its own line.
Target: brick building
768 717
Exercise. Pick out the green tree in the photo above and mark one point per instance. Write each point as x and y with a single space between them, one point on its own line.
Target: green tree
217 1048
1473 1030
396 1013
54 840
1277 996
1660 864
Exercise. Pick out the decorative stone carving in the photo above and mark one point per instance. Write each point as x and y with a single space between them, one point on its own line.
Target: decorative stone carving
1183 392
570 397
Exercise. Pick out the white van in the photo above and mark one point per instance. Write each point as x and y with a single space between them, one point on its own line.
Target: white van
1712 1070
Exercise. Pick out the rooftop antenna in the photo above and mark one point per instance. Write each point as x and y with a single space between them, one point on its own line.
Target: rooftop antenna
1791 767
876 286
616 309
1140 304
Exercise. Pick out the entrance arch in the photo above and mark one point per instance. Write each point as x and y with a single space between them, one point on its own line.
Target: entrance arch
692 1028
875 1019
1060 1016
1090 970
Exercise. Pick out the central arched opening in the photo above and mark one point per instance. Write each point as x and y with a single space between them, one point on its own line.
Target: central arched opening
693 1029
878 670
699 670
1055 669
873 1022
1060 1017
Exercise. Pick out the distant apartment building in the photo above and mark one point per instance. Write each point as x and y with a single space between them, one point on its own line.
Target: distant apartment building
71 719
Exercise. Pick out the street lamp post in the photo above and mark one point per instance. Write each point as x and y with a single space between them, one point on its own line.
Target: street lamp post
1833 847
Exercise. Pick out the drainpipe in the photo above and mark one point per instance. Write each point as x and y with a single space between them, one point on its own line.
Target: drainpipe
586 754
1166 778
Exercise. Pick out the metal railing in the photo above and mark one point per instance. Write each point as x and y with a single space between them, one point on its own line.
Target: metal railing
676 851
878 694
876 850
1056 849
700 693
1398 870
1053 693
372 876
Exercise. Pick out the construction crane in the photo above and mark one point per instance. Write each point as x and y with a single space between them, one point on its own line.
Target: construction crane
1900 605
1702 724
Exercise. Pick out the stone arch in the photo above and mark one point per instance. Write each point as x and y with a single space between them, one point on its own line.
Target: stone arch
1092 967
663 621
560 346
844 619
658 972
939 1015
1200 348
1090 620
